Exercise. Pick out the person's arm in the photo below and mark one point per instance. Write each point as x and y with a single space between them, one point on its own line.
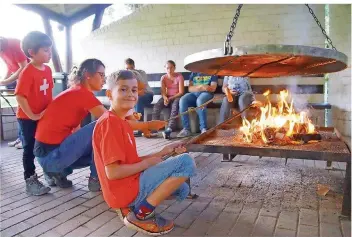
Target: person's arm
212 87
118 171
150 125
163 88
10 79
181 89
98 111
23 103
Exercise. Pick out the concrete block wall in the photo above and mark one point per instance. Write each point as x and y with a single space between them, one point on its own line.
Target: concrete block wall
156 33
340 83
9 126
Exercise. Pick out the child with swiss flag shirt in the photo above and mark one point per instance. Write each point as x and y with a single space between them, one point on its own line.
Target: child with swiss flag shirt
33 94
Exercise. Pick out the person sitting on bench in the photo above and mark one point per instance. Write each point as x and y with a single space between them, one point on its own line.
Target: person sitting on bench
242 96
134 186
201 89
172 88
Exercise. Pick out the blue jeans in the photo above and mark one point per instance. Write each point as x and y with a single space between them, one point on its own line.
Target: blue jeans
178 166
195 99
143 101
75 152
20 132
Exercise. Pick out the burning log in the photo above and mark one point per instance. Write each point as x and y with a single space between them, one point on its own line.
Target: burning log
307 137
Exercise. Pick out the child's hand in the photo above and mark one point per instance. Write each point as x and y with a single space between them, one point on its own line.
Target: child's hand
156 124
36 117
175 147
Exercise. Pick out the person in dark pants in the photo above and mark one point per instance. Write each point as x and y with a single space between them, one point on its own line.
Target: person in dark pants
15 60
172 88
145 93
33 94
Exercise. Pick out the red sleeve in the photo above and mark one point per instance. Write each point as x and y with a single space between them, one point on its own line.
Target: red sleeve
19 54
24 83
111 141
90 101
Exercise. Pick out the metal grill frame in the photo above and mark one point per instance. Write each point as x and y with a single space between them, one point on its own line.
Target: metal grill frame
231 152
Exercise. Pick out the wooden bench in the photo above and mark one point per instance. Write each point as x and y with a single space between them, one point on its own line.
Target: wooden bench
214 108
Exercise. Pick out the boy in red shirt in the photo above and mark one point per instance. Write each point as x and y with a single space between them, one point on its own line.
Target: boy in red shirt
33 94
134 185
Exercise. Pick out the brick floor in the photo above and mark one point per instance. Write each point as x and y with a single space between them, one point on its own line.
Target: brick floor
248 197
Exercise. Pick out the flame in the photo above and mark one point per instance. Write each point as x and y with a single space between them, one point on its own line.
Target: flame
277 122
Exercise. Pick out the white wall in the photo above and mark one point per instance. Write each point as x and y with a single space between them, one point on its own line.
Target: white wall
340 83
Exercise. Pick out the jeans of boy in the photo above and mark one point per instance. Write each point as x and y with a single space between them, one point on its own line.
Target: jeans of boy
178 166
143 101
195 99
242 101
75 152
28 128
158 107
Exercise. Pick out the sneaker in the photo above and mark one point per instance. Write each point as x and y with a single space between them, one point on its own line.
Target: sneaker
12 144
204 130
35 187
167 133
184 133
123 212
50 181
151 225
19 145
60 180
93 184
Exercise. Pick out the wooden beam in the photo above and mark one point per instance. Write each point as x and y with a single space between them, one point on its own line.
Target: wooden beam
68 48
97 19
44 12
86 12
55 55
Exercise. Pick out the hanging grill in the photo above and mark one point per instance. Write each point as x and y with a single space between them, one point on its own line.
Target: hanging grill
267 60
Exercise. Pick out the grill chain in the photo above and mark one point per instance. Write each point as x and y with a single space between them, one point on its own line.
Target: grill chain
321 27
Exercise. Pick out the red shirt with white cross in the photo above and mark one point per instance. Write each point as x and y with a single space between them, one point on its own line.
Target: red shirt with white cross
36 86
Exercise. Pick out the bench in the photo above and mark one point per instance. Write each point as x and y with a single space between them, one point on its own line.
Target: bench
214 107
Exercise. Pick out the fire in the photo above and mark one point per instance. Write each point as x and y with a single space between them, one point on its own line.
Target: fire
277 124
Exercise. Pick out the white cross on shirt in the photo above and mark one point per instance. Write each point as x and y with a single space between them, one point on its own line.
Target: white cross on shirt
45 86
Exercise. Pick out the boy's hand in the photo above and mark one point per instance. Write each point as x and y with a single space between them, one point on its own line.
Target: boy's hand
156 124
175 147
36 117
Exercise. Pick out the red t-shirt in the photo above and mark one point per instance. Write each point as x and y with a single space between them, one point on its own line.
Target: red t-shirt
113 141
64 114
13 55
36 86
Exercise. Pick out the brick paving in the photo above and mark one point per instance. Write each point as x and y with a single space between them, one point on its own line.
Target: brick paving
251 196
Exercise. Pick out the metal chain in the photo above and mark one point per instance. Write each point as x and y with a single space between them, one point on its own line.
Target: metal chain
234 23
227 44
321 27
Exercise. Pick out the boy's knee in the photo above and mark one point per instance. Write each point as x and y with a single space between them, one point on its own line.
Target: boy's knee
187 163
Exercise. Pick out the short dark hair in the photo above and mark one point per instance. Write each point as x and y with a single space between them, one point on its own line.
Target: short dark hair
171 62
35 40
90 65
129 61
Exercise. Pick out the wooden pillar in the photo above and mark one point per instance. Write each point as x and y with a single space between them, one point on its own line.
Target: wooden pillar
97 19
68 48
55 55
